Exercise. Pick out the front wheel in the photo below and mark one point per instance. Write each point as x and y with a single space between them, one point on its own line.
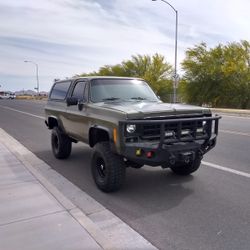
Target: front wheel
108 169
186 169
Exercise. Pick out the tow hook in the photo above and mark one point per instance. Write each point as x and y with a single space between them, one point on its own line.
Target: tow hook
172 160
188 157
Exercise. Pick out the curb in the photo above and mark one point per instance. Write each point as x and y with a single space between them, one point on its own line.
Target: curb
109 231
238 112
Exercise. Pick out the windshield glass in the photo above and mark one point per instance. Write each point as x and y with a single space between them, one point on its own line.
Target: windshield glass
121 89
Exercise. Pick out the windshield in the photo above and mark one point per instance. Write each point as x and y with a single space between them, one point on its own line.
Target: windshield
121 89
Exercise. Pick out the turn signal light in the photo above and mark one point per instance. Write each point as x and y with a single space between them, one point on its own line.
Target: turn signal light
115 135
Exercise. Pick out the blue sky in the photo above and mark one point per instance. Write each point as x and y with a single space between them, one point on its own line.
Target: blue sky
68 37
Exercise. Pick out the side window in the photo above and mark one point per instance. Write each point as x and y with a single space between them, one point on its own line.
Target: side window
60 90
78 91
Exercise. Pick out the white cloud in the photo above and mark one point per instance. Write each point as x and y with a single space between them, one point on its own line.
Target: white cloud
67 37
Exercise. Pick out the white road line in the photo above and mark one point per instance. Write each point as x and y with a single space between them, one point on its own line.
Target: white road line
22 112
230 170
233 132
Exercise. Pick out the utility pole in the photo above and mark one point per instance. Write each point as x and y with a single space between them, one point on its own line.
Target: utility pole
175 82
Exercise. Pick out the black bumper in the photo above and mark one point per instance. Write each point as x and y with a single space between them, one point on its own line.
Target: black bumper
167 151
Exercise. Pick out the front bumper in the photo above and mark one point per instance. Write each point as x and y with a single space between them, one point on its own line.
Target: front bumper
168 151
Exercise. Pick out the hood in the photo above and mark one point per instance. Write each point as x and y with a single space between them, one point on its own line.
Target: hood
144 110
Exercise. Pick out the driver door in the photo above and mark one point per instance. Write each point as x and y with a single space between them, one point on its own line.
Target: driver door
76 114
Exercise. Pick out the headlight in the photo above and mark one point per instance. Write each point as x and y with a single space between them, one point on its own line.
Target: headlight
199 130
204 123
169 133
131 128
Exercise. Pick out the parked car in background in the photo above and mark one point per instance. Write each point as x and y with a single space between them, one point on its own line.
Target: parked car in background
7 95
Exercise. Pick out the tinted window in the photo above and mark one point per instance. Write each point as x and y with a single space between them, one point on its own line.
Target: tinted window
79 90
60 90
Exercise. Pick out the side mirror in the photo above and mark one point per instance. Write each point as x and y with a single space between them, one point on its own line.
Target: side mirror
81 104
72 101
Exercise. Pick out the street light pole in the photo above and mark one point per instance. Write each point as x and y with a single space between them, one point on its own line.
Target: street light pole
175 53
37 78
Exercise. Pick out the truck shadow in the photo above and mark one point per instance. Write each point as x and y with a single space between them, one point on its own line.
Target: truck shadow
147 190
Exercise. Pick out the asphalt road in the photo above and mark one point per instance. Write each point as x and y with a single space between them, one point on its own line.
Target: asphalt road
208 210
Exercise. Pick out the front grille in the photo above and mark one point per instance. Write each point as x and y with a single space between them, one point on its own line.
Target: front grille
177 131
151 131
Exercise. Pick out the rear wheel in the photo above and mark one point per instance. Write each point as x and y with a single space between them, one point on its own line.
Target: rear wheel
186 169
108 169
60 143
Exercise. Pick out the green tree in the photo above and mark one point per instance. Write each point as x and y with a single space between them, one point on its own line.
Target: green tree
154 69
218 76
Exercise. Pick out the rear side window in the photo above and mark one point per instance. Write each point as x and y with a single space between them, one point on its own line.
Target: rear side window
60 90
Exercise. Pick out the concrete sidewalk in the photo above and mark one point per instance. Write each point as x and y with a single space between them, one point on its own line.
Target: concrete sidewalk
30 217
34 214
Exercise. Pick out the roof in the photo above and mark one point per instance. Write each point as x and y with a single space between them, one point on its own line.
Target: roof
99 77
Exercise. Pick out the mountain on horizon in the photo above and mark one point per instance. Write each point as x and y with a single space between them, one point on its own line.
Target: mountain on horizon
30 92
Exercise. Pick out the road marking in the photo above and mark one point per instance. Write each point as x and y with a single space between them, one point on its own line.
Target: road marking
22 112
230 170
234 132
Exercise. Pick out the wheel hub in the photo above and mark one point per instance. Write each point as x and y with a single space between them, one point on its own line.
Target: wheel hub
101 167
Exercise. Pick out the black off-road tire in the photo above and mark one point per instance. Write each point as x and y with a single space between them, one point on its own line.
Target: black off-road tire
186 169
108 169
60 143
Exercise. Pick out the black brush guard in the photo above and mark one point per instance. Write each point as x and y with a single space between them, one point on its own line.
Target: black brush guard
185 139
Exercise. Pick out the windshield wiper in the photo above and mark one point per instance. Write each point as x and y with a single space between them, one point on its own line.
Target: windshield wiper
138 98
111 99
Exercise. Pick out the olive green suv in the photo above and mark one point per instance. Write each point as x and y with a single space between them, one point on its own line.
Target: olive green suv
127 125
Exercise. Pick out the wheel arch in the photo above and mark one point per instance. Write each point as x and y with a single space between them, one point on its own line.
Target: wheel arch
53 122
98 134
